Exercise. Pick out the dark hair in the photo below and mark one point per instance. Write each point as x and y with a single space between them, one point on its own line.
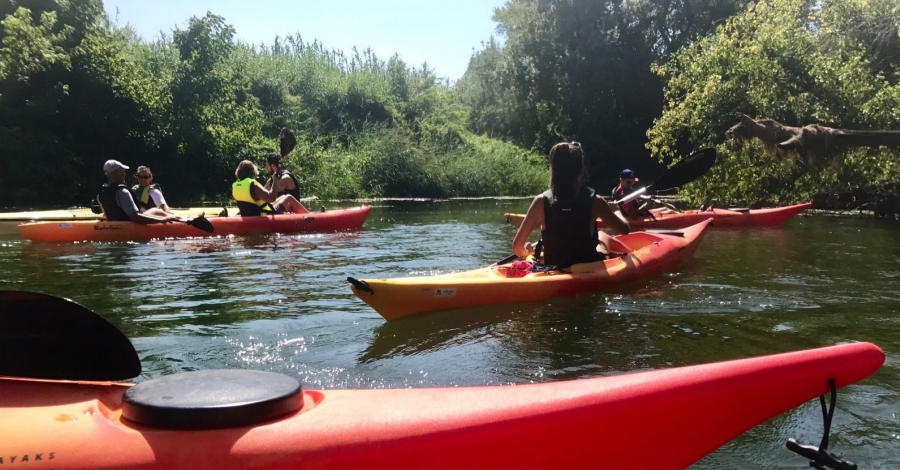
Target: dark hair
274 159
246 169
566 170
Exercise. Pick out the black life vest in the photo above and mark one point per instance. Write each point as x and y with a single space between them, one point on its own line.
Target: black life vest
142 196
107 200
570 233
293 192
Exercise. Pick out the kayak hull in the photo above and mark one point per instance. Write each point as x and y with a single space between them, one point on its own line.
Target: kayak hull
650 254
10 221
721 218
664 419
102 231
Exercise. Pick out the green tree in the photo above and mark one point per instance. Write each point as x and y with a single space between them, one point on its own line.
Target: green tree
581 70
792 61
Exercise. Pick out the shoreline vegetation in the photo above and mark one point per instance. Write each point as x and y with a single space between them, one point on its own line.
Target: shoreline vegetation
639 84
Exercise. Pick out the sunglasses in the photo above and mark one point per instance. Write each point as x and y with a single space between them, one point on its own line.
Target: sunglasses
576 144
144 177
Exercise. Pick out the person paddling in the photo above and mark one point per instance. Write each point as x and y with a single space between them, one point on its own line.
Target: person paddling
281 181
567 214
632 208
253 199
117 201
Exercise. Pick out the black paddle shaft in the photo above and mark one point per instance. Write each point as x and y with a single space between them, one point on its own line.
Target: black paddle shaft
48 337
686 170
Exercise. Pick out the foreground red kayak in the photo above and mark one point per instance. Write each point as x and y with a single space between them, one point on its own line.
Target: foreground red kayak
721 217
246 419
666 419
102 231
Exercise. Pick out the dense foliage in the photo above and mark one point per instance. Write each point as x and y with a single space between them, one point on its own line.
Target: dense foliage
832 62
581 70
76 91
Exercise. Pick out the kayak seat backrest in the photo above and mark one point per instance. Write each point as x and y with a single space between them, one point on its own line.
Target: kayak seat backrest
212 399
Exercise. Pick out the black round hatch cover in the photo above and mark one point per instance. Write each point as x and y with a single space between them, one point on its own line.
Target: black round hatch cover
212 399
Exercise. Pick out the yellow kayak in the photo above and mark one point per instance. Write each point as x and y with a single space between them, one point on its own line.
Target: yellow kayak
642 254
9 221
84 213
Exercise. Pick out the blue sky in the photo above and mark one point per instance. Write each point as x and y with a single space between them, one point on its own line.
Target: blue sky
441 32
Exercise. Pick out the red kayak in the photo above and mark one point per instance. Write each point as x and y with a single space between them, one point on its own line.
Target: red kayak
665 419
721 217
247 419
102 231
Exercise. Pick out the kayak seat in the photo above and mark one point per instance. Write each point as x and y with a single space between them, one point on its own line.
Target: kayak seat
637 240
211 399
617 245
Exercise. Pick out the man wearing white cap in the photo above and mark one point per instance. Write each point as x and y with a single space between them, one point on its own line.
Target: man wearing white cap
118 202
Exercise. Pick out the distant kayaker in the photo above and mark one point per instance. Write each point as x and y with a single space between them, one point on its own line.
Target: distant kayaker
253 199
567 214
118 202
148 194
281 181
634 207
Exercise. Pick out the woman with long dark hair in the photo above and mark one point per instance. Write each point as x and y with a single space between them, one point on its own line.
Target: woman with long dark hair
567 214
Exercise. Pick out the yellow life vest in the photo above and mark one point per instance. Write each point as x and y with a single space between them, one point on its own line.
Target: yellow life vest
240 191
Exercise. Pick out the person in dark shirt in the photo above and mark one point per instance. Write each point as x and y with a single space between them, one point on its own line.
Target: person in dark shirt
567 214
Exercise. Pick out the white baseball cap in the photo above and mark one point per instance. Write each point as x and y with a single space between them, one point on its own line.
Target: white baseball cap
113 165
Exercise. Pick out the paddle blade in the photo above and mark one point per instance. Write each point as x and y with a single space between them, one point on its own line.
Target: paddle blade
688 169
95 207
288 142
48 337
202 223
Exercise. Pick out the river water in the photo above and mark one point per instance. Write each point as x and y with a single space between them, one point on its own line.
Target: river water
281 303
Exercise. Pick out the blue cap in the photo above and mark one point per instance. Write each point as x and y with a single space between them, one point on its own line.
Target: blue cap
627 174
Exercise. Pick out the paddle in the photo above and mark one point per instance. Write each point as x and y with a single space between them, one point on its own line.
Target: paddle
287 142
686 170
201 223
538 247
47 337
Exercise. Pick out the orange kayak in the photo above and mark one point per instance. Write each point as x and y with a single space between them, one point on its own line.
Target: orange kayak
664 419
721 217
644 254
102 231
